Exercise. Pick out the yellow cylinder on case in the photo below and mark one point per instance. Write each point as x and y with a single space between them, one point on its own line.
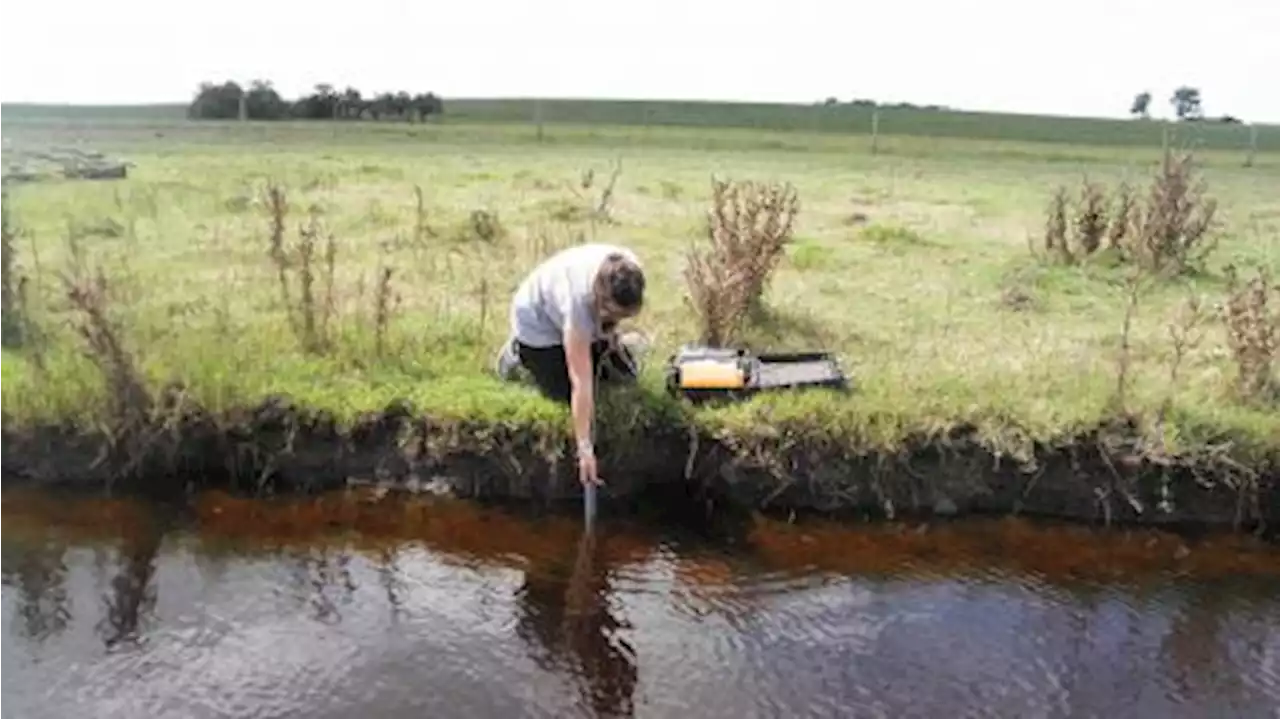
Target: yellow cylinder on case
711 375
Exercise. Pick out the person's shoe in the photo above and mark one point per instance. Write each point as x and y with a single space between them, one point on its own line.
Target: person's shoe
508 361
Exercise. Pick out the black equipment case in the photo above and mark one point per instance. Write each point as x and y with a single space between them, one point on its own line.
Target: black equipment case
704 373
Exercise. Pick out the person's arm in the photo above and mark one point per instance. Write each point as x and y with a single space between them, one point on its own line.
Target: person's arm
579 331
577 349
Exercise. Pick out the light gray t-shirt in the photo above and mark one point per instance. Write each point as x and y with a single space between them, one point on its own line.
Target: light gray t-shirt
558 293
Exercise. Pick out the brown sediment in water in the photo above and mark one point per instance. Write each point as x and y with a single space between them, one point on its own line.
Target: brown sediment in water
375 523
277 448
1053 551
30 511
367 518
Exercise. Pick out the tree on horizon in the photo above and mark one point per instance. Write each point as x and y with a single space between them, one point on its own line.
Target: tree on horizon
1186 103
1141 106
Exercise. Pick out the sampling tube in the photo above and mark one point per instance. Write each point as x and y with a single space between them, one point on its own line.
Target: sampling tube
589 505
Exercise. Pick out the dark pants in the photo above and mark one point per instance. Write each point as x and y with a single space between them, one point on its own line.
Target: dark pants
550 368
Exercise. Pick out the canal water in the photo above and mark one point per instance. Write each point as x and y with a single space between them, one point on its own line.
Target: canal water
370 606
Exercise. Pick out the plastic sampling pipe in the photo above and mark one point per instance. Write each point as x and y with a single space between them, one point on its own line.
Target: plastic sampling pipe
589 504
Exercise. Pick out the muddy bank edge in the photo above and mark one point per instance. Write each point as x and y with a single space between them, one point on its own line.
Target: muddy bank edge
279 448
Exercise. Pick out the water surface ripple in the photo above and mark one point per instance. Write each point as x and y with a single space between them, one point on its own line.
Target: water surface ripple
359 606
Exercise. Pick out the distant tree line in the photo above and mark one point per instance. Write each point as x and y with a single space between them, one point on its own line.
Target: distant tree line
262 102
864 102
1186 103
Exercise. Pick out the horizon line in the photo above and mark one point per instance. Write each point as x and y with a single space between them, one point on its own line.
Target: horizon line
906 105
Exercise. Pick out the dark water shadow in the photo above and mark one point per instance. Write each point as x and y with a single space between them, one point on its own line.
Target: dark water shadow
565 619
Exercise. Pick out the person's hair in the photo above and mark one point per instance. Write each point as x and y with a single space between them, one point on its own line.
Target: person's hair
620 284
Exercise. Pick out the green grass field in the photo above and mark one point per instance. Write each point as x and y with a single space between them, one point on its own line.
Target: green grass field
916 298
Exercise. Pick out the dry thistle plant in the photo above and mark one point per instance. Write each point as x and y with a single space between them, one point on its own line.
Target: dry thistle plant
1176 229
1252 317
1091 217
131 407
309 317
1075 238
749 226
718 293
278 210
129 402
422 230
1171 233
599 209
1055 230
1135 286
1123 216
1186 332
385 303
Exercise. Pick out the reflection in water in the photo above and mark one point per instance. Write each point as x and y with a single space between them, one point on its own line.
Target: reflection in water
391 580
326 575
1199 650
39 574
132 595
350 604
565 616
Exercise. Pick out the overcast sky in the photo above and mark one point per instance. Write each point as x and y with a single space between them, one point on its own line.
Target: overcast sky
1086 57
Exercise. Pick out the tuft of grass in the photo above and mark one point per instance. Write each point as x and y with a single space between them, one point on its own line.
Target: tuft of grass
892 237
807 255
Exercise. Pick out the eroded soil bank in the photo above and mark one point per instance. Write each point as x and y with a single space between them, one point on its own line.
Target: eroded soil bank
277 448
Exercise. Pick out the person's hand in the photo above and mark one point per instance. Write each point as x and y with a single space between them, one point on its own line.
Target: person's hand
587 471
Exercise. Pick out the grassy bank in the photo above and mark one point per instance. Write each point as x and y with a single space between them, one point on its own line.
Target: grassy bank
913 263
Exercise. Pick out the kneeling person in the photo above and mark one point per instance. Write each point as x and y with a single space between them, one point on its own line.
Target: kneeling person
563 330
